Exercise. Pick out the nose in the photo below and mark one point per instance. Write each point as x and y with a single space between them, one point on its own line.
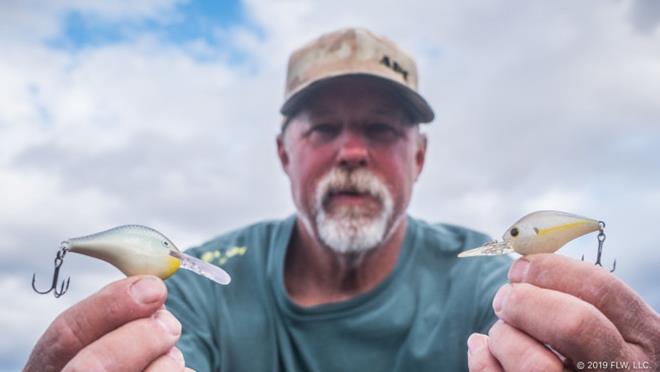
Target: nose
353 151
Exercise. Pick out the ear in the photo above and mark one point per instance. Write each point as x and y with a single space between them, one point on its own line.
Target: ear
281 152
420 154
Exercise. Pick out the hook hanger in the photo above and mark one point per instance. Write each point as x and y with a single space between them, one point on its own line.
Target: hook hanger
601 240
59 259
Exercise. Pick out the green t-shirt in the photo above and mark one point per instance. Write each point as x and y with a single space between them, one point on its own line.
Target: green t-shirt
417 319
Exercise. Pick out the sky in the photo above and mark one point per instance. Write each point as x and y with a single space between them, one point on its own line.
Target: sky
164 113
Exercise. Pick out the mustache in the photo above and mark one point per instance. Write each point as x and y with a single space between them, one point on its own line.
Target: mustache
359 181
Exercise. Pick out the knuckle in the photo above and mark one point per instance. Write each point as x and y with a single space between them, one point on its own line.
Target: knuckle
115 308
477 363
601 296
644 322
518 295
93 361
116 303
495 331
642 353
164 363
532 360
572 328
156 334
67 333
599 292
543 263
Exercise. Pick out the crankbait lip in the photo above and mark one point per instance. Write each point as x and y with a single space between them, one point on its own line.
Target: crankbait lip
202 268
493 248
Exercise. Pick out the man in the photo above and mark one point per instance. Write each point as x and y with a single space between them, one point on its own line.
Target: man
351 282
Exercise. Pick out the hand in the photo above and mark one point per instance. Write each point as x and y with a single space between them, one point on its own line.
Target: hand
591 318
123 327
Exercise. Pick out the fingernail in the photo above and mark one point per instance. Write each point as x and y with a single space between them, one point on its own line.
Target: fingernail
476 343
147 290
500 298
176 354
168 321
518 270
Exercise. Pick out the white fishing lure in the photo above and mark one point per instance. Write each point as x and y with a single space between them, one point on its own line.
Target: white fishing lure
540 232
135 250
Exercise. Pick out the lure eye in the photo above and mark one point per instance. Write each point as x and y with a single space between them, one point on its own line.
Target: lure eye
514 232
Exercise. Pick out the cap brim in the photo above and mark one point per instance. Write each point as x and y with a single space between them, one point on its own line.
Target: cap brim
417 105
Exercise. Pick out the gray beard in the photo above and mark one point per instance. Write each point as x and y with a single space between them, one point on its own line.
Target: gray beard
345 233
351 229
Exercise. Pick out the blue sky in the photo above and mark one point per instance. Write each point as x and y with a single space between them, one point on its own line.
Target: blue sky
164 113
186 21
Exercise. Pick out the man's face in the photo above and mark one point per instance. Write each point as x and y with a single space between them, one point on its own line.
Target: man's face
352 157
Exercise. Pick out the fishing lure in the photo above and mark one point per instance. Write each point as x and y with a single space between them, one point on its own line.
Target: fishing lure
133 249
543 232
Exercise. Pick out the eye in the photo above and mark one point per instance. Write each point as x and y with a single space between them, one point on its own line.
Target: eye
326 128
324 131
514 232
165 243
381 131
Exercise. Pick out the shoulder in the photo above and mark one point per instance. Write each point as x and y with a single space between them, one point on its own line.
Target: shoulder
439 245
447 238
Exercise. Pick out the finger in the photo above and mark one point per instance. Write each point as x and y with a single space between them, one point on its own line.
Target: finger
172 361
573 327
116 304
479 357
595 285
130 347
516 351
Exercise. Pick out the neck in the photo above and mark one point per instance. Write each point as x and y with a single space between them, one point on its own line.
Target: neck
314 274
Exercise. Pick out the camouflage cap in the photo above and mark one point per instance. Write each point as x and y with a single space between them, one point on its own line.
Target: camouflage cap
353 51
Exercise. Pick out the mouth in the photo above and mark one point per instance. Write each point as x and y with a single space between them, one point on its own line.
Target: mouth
349 192
349 196
346 192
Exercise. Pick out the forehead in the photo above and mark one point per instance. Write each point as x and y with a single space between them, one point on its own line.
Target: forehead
354 96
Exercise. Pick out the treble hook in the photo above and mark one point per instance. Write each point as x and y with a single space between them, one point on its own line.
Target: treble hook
59 259
601 240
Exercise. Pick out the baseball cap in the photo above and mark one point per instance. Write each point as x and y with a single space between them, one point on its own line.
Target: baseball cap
353 51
